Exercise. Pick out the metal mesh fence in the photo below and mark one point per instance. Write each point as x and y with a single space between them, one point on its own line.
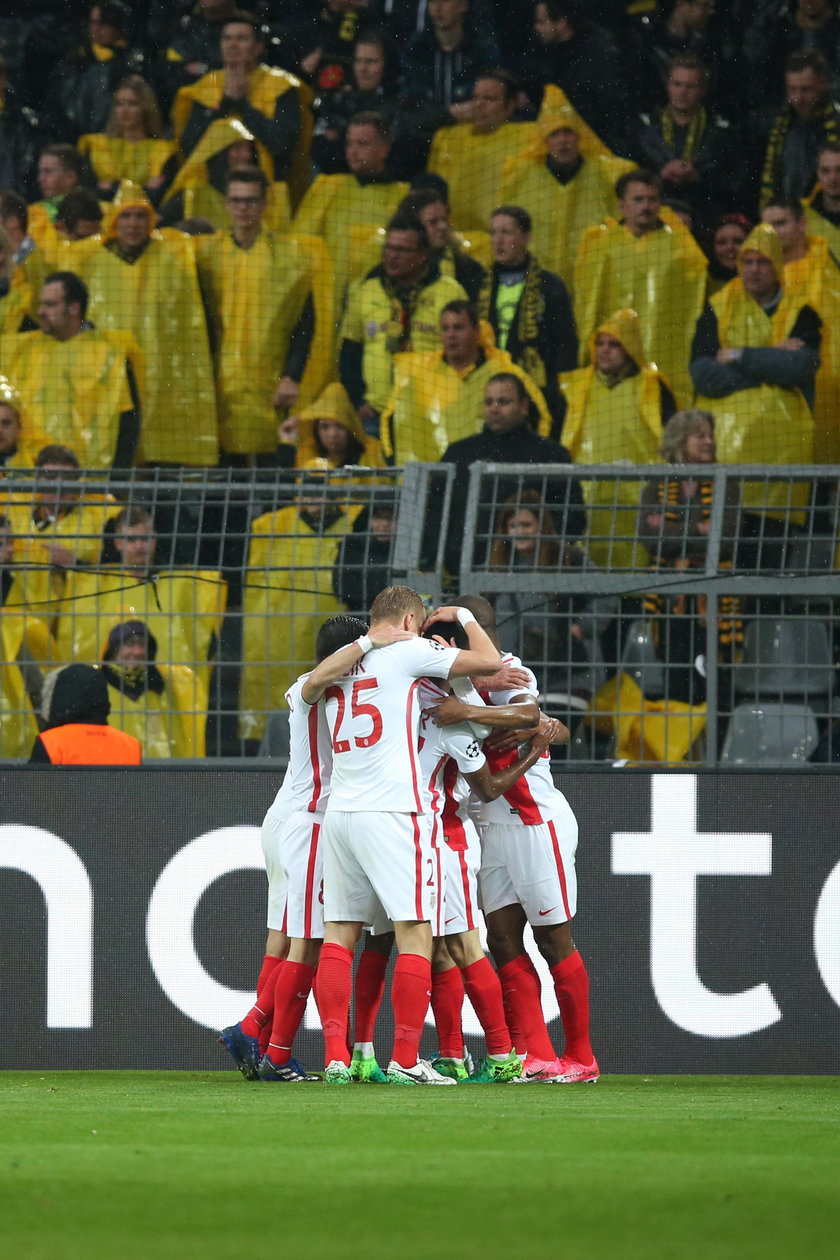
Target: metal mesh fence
671 613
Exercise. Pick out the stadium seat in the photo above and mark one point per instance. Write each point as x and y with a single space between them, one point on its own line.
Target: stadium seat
639 660
770 734
786 658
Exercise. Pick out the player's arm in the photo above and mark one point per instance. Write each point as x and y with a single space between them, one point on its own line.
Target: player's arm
523 713
336 666
481 657
513 738
490 786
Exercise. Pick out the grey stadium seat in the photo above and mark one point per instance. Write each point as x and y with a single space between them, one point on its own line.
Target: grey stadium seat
770 734
786 657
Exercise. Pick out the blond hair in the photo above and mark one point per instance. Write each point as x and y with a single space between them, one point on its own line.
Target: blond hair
395 602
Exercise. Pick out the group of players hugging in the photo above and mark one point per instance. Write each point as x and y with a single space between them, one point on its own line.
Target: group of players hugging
418 778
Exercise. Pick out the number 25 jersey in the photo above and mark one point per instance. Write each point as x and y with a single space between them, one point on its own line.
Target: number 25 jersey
373 713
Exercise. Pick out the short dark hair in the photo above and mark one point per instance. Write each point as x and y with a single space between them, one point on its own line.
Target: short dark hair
128 517
81 203
74 287
830 146
430 181
13 206
420 199
114 13
460 306
793 205
519 214
57 454
408 223
370 118
336 633
246 175
69 157
641 175
240 17
688 61
500 76
807 59
512 379
571 10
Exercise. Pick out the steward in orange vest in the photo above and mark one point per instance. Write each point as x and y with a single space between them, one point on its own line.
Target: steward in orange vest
78 733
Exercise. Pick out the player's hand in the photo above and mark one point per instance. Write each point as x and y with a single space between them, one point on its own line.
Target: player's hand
447 612
385 634
508 678
449 712
550 731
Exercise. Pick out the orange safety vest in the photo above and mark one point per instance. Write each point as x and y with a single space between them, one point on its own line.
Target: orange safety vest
78 744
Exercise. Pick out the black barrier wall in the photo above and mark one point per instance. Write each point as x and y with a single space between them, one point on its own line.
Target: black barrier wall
132 911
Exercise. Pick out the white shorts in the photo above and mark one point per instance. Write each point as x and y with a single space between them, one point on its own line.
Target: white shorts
302 860
376 862
531 866
270 835
460 890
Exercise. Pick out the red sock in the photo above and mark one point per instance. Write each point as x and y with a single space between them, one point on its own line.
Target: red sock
447 1003
410 995
262 1010
571 984
523 1008
334 985
291 992
367 993
484 990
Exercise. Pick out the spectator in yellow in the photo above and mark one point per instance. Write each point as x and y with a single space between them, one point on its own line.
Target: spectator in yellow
397 308
614 413
822 208
145 281
456 255
330 434
288 593
11 430
15 290
161 705
275 106
566 182
471 155
438 395
17 720
754 360
346 210
131 146
199 188
257 291
813 274
653 267
74 381
60 171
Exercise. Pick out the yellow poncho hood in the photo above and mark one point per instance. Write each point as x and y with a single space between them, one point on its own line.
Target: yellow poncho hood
557 111
218 136
332 404
625 327
128 196
764 239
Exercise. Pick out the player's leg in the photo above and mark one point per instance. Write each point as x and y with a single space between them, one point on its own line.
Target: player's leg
368 991
349 903
484 990
571 985
447 1004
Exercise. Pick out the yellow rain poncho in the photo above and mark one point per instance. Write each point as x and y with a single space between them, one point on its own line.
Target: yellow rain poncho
288 593
767 424
254 298
562 212
182 608
433 404
202 200
18 727
168 724
334 404
815 279
644 730
158 299
265 85
72 392
820 226
660 275
472 164
621 424
113 159
17 303
32 438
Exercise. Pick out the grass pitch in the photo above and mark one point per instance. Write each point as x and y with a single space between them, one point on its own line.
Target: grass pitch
161 1165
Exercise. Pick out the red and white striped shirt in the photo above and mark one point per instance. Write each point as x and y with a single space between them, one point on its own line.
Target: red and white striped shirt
447 753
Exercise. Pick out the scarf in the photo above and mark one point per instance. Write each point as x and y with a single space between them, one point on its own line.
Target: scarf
403 305
525 327
694 138
772 171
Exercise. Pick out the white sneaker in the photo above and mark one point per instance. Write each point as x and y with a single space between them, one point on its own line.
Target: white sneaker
421 1074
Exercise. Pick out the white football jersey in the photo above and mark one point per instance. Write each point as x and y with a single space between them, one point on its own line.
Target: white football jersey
447 753
374 716
534 798
306 784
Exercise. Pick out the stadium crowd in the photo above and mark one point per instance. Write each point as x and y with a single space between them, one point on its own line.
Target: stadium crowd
361 235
